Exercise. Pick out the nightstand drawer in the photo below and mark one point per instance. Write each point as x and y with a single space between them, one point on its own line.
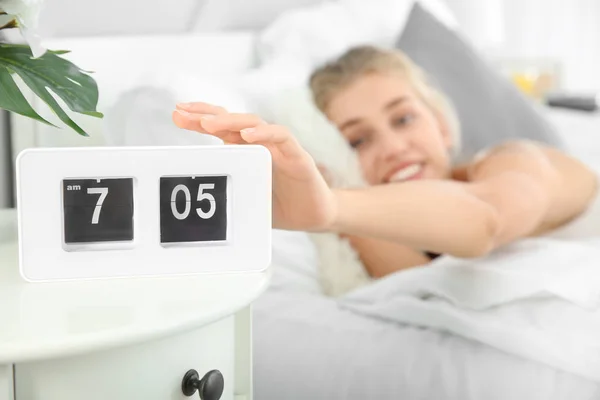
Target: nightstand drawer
148 371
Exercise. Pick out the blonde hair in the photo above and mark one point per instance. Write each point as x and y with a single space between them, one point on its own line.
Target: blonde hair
327 81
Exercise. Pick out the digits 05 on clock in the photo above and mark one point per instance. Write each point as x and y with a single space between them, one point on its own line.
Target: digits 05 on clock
193 209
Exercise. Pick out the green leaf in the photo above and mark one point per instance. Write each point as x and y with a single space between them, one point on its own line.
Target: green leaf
76 88
12 99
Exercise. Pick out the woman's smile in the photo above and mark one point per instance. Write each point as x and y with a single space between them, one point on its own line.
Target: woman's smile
405 172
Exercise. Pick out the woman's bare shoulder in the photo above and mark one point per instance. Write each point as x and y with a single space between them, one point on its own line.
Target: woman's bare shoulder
570 183
560 160
532 150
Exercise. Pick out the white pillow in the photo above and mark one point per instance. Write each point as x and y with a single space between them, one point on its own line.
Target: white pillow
314 34
295 109
277 94
295 263
317 264
340 269
142 115
300 40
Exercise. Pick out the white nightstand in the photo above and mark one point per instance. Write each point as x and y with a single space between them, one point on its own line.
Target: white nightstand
123 339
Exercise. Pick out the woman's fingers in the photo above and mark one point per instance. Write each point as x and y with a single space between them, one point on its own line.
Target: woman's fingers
231 137
186 120
276 135
213 124
189 115
193 122
238 128
230 122
201 108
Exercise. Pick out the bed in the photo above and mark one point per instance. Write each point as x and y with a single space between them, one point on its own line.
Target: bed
306 345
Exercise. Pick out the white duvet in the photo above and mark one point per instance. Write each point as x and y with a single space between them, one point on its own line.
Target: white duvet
538 299
522 325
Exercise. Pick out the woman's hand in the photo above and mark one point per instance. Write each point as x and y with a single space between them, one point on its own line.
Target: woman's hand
302 199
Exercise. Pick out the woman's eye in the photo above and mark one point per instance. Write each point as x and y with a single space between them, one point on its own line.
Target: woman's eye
403 120
359 139
356 143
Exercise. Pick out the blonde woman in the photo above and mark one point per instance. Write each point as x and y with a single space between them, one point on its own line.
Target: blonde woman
418 205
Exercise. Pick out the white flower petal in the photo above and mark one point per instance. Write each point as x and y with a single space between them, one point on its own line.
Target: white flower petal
35 42
19 7
27 13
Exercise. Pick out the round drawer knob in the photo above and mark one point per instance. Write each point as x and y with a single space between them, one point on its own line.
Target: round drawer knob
210 387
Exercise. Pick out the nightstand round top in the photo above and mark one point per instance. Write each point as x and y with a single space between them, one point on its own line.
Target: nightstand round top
58 319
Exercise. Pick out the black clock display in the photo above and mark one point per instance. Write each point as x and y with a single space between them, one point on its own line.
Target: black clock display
98 210
193 209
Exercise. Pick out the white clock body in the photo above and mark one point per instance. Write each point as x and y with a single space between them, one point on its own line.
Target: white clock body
107 212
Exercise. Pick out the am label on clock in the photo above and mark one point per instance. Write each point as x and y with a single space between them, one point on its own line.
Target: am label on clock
193 209
97 210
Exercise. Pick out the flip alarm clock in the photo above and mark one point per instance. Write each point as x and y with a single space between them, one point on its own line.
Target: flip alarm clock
106 212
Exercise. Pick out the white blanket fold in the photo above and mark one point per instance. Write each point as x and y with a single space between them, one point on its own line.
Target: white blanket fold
539 299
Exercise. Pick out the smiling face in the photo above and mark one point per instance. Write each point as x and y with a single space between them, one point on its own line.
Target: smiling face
396 135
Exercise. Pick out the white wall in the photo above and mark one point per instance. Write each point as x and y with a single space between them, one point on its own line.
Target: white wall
568 31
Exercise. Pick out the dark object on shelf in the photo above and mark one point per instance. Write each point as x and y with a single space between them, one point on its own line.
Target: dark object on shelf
589 102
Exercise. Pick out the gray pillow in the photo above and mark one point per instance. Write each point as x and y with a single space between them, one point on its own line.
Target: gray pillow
490 108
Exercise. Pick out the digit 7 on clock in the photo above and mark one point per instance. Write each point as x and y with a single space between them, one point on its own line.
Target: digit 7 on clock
98 210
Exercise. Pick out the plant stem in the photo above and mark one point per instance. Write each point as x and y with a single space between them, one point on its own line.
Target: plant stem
10 25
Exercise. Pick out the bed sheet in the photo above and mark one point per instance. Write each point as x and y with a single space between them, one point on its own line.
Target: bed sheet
306 347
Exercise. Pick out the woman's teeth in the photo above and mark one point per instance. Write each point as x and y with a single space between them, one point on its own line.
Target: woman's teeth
406 173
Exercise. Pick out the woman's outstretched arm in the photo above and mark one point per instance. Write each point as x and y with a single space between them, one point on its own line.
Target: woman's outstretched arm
437 216
514 191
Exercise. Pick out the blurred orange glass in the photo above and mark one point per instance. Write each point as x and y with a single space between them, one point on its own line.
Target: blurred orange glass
535 78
